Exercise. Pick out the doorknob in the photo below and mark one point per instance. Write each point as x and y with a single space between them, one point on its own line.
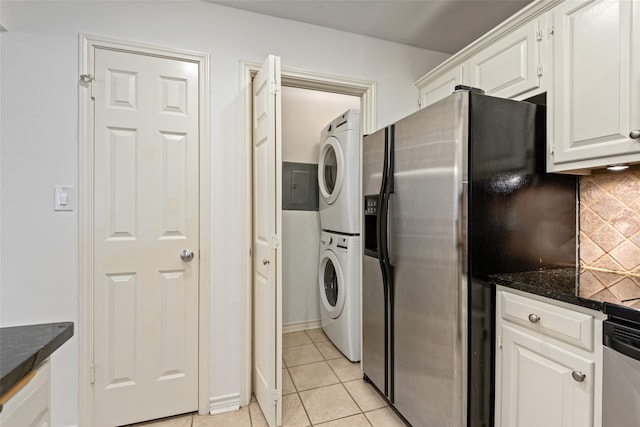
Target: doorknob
265 261
186 255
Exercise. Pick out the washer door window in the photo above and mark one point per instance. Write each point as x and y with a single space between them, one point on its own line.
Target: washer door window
331 281
330 170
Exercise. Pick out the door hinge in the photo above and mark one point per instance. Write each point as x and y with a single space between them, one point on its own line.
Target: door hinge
274 241
92 373
539 70
274 88
500 342
88 78
539 35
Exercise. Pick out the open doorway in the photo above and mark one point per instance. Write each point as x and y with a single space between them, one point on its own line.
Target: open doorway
305 113
365 92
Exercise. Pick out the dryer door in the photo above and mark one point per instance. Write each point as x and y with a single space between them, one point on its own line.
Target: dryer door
331 282
331 170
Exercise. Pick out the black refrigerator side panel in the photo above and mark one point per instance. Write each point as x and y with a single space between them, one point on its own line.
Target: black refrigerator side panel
523 218
520 219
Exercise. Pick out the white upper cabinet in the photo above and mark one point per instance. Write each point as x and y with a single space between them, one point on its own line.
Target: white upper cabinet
512 65
595 102
585 54
509 61
440 86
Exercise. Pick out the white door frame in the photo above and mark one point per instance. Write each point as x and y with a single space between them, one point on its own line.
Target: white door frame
366 90
87 46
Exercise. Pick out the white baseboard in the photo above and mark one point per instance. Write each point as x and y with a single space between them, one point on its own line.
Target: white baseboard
301 326
224 403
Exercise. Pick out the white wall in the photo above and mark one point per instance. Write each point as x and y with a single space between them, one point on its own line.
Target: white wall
304 114
39 144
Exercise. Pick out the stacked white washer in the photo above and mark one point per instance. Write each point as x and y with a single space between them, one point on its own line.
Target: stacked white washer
339 269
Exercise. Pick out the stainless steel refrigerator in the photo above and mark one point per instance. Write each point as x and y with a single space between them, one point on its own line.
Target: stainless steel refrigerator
452 194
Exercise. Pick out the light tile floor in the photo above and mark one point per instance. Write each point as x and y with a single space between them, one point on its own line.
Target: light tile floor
320 387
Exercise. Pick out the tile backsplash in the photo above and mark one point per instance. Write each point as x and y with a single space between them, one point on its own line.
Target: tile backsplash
610 236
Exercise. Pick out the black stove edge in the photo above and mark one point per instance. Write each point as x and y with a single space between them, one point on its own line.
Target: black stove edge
621 312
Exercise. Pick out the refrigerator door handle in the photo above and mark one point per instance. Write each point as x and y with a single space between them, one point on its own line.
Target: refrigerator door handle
462 226
381 221
391 249
386 200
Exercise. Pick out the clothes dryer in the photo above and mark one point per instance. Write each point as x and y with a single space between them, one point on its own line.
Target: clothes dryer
339 174
339 285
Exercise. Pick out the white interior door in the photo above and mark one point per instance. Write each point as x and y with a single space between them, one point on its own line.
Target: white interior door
267 254
145 294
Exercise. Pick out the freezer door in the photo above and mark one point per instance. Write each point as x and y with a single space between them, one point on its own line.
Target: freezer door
372 162
427 247
373 293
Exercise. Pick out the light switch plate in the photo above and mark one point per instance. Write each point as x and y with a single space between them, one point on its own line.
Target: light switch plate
64 198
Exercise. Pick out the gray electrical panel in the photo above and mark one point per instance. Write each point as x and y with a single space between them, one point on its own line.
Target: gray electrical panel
299 186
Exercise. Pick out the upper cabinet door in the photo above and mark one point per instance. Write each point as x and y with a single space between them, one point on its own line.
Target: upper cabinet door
511 66
435 89
595 104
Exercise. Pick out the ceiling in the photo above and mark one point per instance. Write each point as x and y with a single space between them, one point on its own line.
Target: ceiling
441 25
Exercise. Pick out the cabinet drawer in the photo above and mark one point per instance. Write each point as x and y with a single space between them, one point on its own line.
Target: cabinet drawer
563 324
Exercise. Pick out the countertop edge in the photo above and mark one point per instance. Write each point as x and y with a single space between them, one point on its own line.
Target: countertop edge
9 379
549 293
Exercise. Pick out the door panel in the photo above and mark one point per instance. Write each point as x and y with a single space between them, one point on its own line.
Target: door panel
429 289
509 67
146 205
373 292
537 384
267 216
595 83
441 87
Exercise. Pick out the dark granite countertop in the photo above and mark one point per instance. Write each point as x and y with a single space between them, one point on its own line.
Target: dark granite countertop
561 284
23 348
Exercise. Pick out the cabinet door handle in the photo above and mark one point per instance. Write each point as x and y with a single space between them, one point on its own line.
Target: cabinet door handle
578 376
534 318
634 134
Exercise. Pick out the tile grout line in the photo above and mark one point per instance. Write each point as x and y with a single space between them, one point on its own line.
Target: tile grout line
340 381
343 386
297 391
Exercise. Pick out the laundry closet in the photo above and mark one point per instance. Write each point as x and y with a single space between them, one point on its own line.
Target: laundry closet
305 113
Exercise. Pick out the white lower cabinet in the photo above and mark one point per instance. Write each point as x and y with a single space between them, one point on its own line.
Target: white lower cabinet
538 384
542 377
30 406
